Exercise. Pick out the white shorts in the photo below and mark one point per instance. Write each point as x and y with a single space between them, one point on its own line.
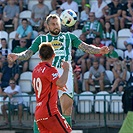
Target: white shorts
69 84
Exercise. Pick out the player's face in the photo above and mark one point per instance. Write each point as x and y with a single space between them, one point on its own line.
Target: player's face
54 26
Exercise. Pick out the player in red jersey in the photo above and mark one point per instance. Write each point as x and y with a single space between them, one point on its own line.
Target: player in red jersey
46 82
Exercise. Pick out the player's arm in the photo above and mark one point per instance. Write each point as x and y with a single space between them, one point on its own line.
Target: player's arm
24 55
20 56
61 82
93 49
28 53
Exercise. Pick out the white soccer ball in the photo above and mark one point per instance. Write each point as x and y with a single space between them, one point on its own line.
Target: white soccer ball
68 18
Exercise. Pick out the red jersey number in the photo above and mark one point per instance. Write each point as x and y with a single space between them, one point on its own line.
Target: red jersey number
37 86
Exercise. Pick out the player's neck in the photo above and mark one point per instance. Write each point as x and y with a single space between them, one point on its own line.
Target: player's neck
47 61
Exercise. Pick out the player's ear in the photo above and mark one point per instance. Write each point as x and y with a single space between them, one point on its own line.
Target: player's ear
40 56
53 55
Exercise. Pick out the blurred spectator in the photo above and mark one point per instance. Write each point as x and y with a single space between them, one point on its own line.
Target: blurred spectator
111 57
84 16
4 48
24 31
123 1
99 57
57 11
4 51
70 4
97 9
15 102
115 9
23 65
127 13
44 30
2 5
39 13
9 69
81 4
92 28
1 25
11 14
23 4
2 60
130 40
97 76
120 73
77 79
55 3
108 34
128 57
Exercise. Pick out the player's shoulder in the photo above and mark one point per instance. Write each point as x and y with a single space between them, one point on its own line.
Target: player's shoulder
67 33
42 35
39 38
50 69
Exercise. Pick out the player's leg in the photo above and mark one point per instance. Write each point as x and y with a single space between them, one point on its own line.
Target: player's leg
66 98
54 124
35 127
42 127
66 107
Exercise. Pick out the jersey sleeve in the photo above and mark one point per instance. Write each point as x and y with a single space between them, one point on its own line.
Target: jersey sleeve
52 75
35 45
75 40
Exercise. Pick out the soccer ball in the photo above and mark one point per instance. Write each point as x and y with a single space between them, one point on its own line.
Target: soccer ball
68 18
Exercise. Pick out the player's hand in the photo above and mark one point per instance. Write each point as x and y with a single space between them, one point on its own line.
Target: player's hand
12 57
65 65
104 50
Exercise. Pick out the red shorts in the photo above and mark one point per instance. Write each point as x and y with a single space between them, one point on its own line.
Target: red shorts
54 124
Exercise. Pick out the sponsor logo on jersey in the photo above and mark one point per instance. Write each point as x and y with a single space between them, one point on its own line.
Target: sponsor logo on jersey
59 53
56 44
55 75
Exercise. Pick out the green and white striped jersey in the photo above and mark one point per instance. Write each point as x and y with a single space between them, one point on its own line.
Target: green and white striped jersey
62 44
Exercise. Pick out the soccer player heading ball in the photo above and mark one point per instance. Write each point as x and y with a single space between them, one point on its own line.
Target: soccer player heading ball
62 43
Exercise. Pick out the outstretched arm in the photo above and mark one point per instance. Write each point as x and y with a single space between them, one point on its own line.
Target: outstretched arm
25 55
93 49
20 56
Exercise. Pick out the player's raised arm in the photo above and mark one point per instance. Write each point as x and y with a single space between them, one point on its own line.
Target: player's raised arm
93 49
20 56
